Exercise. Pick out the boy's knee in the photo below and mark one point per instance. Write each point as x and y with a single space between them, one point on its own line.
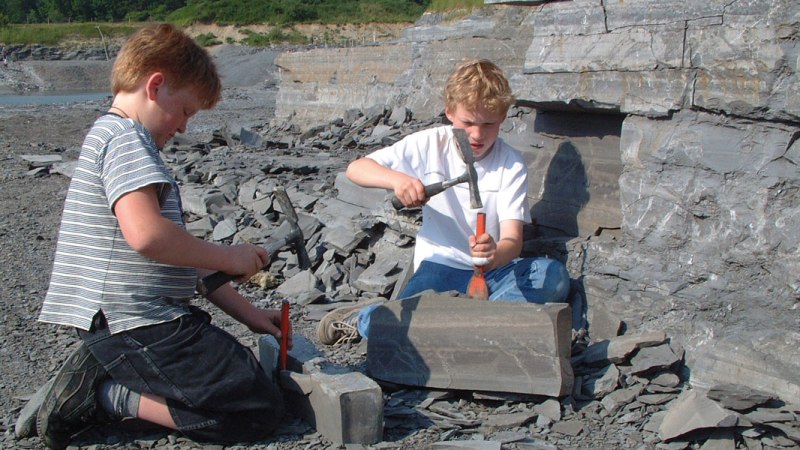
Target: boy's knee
559 277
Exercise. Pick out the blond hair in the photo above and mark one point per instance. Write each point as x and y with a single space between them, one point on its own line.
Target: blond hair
166 49
478 83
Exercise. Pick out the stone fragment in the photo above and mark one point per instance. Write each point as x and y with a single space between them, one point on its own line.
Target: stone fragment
655 399
603 325
693 411
601 383
720 440
223 230
650 359
619 398
569 427
251 139
367 198
399 116
738 397
549 408
35 161
466 445
377 277
500 421
303 282
343 239
201 227
617 350
531 443
666 379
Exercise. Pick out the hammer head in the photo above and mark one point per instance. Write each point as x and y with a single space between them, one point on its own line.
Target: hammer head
472 175
295 238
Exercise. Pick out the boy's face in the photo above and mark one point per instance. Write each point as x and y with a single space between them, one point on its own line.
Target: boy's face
481 125
171 112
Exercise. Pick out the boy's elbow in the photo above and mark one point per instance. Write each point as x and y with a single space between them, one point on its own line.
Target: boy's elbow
352 171
145 244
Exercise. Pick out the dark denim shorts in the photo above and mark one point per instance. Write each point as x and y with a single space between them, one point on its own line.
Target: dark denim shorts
214 386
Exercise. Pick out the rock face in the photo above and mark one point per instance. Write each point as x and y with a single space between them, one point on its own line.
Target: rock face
662 141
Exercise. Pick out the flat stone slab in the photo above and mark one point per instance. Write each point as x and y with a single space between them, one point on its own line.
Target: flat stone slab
461 343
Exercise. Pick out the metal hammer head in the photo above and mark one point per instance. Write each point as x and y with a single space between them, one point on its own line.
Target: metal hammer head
472 175
295 238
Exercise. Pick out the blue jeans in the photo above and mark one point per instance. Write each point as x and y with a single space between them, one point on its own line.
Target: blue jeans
532 280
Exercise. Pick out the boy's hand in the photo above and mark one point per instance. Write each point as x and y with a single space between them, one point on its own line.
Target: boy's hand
268 321
246 260
482 249
411 192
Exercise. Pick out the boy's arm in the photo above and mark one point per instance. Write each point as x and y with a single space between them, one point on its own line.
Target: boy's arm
158 238
257 320
367 172
503 251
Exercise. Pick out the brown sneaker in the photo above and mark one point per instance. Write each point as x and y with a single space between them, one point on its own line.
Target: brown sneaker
70 405
341 325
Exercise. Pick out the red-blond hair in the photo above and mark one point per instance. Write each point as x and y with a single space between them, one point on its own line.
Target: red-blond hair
478 83
167 49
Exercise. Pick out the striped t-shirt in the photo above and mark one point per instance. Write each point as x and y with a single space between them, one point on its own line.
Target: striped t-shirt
94 266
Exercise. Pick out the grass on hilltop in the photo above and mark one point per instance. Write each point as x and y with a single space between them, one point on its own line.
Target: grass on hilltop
52 34
55 33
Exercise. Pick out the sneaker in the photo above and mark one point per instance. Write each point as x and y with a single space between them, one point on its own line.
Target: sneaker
341 325
71 405
25 426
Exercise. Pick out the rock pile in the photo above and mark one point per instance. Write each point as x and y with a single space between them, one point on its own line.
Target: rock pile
630 390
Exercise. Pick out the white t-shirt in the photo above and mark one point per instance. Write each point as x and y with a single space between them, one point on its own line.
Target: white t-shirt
447 219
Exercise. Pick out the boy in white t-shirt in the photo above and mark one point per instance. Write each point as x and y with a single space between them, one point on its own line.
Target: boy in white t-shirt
477 99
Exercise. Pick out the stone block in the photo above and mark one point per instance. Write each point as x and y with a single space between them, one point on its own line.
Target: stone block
460 343
346 407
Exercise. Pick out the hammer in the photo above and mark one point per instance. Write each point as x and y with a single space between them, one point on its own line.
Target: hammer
294 239
470 176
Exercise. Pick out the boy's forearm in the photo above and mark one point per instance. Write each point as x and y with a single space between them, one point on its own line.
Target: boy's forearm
229 300
367 172
176 247
507 250
509 246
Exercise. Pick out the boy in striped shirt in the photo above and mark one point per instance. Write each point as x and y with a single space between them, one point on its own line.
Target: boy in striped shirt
125 270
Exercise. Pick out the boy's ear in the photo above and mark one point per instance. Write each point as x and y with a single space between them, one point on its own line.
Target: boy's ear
155 82
448 114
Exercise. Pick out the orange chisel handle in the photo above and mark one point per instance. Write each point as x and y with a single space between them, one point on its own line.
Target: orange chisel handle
284 349
480 228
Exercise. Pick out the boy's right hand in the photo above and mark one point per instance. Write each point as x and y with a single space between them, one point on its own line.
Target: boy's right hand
411 192
245 260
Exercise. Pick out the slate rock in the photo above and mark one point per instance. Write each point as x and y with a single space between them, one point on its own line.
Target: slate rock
738 397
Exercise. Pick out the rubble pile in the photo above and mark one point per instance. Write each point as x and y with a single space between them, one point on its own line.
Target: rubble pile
630 390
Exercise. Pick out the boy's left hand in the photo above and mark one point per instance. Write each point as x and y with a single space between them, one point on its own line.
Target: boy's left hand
268 321
482 249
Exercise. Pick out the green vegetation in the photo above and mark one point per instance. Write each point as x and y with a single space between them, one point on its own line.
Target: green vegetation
52 34
284 12
275 36
207 39
451 5
50 22
224 12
